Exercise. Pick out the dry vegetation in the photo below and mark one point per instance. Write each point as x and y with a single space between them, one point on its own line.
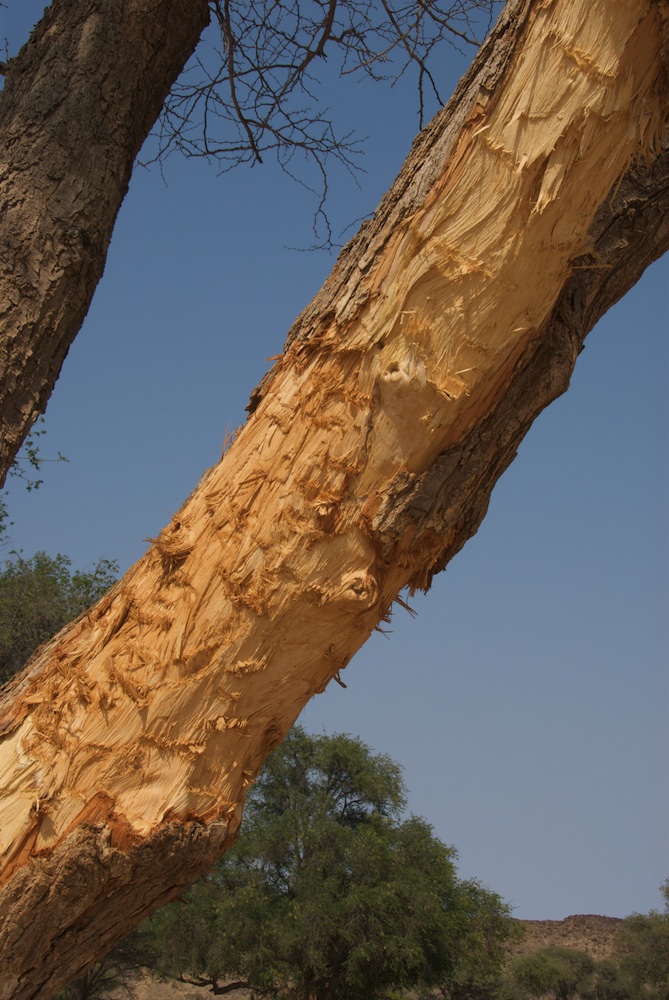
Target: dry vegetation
590 933
584 932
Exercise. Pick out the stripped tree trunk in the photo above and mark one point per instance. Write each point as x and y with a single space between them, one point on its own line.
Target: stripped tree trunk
528 206
79 101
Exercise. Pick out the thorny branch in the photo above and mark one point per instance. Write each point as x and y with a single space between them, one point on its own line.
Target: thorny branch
252 90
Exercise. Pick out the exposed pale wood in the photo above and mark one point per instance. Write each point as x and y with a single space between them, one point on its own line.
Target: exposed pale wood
131 739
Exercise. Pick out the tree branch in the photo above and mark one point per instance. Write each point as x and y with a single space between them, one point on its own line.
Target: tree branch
213 984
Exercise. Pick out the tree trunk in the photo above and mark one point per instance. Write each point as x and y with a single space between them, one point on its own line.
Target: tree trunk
79 101
526 209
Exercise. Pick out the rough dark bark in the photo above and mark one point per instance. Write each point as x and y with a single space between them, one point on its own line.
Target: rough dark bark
129 742
78 102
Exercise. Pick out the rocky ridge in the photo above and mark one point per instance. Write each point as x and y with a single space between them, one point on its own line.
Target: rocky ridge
589 932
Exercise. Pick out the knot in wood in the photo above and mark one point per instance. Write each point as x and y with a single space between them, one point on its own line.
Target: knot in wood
360 589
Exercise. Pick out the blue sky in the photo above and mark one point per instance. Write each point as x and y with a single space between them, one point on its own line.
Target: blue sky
528 700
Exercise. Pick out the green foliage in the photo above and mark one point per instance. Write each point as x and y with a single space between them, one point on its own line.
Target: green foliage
643 951
38 596
485 933
610 983
329 894
26 463
560 973
639 969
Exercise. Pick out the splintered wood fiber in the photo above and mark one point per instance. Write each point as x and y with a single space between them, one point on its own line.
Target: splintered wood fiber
162 702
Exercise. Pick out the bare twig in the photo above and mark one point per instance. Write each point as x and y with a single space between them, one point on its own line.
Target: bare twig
251 90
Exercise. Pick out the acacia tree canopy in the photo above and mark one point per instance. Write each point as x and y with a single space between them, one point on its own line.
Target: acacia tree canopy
329 893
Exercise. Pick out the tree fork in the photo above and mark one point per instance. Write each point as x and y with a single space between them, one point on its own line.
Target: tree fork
529 206
79 100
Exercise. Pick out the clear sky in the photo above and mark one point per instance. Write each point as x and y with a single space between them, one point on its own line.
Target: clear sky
528 700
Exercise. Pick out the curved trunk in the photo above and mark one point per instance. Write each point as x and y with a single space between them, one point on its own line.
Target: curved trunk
528 206
78 102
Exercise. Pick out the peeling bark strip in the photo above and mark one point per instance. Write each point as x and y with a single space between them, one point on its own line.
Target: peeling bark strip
79 101
368 461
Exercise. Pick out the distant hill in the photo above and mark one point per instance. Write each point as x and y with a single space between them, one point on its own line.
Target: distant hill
590 933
